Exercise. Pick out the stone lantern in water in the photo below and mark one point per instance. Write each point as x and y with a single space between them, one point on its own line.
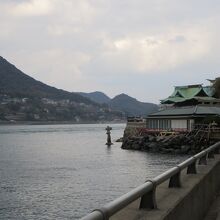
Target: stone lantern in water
108 129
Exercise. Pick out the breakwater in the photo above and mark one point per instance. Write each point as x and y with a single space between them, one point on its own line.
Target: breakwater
187 142
177 144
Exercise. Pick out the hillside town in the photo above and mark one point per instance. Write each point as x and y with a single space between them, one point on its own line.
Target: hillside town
24 99
16 109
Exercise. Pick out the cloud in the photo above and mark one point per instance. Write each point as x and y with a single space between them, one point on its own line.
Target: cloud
71 17
56 67
91 44
31 8
146 54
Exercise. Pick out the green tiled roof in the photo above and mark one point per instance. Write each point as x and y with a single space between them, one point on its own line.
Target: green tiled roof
210 91
184 93
188 111
206 99
174 111
208 110
189 92
173 99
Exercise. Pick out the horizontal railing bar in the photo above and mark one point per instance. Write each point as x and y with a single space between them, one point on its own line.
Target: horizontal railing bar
213 147
95 215
186 163
113 207
166 175
200 154
128 198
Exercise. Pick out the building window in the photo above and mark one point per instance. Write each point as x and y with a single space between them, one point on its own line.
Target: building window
153 123
162 124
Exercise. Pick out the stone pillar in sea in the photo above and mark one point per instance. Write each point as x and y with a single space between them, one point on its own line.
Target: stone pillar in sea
108 129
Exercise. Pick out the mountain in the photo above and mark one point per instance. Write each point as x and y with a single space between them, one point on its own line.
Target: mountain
131 106
98 97
22 98
124 103
17 84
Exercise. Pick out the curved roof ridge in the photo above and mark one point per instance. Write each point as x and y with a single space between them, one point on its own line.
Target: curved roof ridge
189 86
190 92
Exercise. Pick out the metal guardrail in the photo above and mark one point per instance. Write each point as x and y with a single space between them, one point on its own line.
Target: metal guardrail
147 190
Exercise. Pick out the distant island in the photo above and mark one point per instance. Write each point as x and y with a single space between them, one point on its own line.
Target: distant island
23 99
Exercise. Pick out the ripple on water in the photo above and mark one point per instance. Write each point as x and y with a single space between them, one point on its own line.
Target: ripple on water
65 171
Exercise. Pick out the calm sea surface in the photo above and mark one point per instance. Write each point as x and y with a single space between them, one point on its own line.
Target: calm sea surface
65 171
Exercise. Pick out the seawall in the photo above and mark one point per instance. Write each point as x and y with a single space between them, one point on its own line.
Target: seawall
189 202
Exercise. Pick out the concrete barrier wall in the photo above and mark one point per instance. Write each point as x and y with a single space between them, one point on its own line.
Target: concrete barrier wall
195 204
190 202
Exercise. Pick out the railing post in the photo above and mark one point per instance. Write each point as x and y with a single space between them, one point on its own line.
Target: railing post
216 151
211 154
175 180
191 169
203 160
148 200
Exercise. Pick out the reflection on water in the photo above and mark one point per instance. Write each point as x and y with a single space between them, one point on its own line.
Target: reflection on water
65 171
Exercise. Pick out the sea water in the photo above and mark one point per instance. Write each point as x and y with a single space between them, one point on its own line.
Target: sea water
66 171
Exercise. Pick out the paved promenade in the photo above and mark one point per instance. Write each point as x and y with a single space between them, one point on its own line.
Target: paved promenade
214 211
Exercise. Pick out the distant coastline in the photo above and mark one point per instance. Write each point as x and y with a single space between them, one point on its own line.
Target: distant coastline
58 122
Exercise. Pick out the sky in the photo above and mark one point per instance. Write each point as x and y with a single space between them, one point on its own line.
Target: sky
142 48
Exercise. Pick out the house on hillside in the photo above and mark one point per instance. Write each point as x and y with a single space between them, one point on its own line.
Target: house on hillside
185 107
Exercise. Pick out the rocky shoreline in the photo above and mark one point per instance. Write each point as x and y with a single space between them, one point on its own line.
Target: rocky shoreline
177 144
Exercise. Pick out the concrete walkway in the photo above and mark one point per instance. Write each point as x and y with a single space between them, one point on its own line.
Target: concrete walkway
214 211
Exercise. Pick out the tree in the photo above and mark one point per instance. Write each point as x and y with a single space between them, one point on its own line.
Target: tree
216 85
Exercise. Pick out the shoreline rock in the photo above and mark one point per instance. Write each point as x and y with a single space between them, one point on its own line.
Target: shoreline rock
177 144
119 139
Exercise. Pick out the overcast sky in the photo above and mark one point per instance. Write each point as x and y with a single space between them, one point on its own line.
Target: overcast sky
139 47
